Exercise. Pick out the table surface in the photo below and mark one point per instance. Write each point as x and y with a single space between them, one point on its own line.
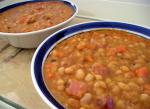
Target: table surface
15 79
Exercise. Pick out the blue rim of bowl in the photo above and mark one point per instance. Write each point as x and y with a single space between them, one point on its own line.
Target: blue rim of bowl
69 3
43 49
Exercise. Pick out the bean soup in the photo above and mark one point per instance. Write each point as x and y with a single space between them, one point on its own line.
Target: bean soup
100 69
34 16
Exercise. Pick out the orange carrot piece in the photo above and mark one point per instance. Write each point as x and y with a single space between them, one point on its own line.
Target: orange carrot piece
49 75
60 54
48 65
89 58
121 49
81 46
142 72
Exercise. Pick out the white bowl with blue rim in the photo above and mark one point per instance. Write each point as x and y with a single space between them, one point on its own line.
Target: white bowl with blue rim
34 38
49 43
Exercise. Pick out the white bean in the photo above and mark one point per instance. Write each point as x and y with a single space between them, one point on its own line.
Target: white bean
144 97
118 72
124 68
120 104
69 70
98 77
86 98
123 86
60 82
116 90
133 85
89 77
100 84
61 70
80 74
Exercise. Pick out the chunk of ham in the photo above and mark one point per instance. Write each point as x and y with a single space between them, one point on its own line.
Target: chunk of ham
76 88
105 103
100 69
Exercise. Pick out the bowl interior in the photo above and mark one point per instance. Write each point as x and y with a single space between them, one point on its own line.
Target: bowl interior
49 43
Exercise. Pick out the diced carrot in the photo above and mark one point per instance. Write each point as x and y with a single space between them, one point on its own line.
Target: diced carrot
60 54
89 58
81 46
49 75
147 88
48 65
142 72
121 49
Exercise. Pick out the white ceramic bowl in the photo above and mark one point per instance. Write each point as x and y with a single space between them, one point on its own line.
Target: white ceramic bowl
33 39
49 43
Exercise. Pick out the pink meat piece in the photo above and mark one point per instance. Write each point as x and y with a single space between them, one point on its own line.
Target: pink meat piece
76 88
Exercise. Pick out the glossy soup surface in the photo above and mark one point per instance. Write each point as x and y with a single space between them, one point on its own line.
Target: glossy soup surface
100 69
34 16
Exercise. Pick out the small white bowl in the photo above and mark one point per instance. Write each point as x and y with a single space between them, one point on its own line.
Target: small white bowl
34 38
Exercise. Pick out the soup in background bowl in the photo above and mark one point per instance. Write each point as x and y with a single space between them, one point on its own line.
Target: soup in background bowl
100 65
26 24
33 16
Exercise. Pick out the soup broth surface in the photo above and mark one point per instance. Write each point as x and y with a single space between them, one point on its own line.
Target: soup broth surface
34 16
100 69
